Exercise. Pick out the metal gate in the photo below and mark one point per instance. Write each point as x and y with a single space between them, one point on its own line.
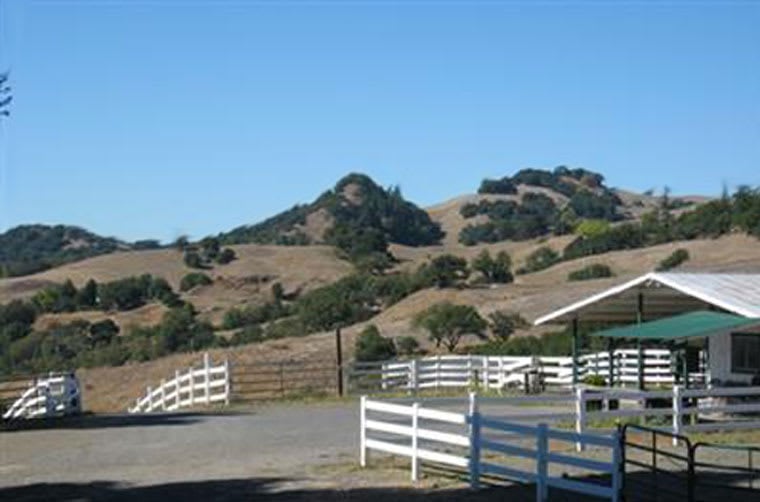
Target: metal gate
662 466
654 468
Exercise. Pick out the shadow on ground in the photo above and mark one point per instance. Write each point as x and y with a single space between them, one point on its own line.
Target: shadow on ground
254 489
92 421
278 489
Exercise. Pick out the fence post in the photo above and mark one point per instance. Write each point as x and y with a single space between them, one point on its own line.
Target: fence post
485 373
192 386
470 375
542 462
176 388
150 399
415 427
580 415
227 383
501 375
163 394
474 420
414 376
617 467
207 376
363 432
677 412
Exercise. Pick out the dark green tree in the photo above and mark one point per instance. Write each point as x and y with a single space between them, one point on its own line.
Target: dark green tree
502 324
446 323
446 270
372 346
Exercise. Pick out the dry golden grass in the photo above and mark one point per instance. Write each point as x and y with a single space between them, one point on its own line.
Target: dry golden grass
247 279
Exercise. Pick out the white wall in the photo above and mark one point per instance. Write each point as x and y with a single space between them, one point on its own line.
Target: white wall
719 354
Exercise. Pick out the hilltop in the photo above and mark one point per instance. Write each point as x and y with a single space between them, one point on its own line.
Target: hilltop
355 214
27 249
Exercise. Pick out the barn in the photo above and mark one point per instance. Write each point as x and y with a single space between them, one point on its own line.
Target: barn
710 321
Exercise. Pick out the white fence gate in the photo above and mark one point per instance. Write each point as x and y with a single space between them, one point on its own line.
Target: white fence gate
53 395
201 386
405 439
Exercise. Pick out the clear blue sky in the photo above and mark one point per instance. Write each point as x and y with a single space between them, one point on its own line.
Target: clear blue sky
157 118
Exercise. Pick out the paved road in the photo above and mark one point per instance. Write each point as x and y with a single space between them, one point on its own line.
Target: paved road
287 451
150 449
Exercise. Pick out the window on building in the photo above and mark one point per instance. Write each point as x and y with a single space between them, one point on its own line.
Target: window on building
745 353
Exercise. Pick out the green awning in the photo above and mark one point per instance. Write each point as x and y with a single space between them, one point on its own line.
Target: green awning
691 325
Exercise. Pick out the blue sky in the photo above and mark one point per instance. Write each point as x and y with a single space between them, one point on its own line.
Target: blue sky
160 118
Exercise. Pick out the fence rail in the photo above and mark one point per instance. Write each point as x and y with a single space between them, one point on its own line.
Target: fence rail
194 386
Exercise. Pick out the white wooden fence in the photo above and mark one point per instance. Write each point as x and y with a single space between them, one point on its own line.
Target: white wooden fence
471 444
53 395
500 372
680 410
201 386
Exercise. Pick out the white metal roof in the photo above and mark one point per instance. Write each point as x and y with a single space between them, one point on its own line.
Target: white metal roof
665 294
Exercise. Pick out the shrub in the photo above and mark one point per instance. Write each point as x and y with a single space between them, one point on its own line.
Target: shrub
595 271
249 334
193 259
372 346
540 259
446 270
226 256
407 345
494 270
673 260
502 324
194 279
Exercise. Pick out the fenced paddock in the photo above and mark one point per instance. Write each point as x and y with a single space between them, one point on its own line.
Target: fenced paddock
502 372
193 386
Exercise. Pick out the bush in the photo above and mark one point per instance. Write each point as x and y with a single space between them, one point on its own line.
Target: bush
540 259
371 346
595 271
249 334
446 270
194 279
407 345
226 256
494 270
673 260
502 324
193 259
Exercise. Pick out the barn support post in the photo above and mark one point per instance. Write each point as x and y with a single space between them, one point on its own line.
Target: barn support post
639 346
610 362
575 351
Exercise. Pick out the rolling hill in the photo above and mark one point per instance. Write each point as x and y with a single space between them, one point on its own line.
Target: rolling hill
314 245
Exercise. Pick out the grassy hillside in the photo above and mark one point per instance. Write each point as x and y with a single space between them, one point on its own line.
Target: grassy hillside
532 295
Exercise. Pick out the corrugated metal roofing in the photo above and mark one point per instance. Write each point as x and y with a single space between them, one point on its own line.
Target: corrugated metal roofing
666 294
692 325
